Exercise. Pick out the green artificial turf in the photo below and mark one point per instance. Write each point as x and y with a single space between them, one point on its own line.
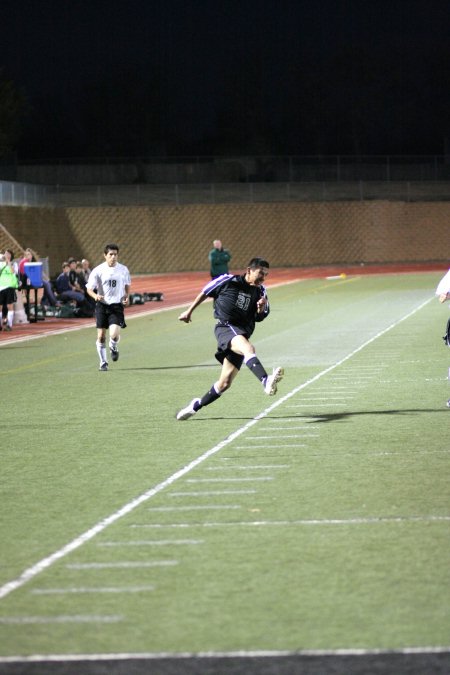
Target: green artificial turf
316 519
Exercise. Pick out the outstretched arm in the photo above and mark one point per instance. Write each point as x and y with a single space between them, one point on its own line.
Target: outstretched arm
186 315
443 289
262 306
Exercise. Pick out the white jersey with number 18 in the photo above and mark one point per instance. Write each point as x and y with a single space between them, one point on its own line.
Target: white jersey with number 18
109 281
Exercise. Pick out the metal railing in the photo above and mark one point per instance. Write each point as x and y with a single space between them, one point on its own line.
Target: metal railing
232 169
25 194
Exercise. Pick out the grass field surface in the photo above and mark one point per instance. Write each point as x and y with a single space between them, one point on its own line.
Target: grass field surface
316 521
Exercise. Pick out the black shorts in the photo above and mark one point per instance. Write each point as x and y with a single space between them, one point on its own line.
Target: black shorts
8 296
107 315
224 335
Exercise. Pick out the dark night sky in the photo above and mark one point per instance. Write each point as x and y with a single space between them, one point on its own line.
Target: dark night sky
142 77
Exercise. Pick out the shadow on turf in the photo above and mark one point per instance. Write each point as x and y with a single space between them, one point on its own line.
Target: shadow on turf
191 367
337 417
329 417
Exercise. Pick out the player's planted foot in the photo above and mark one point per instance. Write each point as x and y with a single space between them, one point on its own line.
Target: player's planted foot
271 383
188 411
104 366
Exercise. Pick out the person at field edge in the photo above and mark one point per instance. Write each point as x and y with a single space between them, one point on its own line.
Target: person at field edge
239 302
74 276
64 288
86 269
218 257
109 285
443 293
28 256
9 282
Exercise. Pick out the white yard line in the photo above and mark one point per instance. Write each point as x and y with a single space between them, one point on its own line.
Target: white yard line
208 493
195 507
272 445
229 480
83 618
93 589
152 542
121 565
382 520
271 438
99 527
248 467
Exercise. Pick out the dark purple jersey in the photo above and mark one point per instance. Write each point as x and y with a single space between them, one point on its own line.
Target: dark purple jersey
235 301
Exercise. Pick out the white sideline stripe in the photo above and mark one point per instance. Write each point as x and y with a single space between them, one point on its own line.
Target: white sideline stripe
82 618
266 654
93 589
43 564
152 542
120 565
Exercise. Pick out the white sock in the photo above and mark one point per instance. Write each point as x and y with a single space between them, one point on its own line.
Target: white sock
10 317
101 351
113 343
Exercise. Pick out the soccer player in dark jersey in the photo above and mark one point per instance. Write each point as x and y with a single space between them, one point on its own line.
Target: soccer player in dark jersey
239 302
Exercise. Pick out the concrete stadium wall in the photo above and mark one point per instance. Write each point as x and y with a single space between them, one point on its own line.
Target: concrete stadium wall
168 239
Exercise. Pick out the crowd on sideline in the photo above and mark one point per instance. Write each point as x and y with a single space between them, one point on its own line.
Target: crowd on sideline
68 288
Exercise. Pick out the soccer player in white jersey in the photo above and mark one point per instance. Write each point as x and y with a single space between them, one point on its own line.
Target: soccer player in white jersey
443 293
109 285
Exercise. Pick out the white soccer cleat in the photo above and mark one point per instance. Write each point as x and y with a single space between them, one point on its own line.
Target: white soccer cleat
270 385
188 411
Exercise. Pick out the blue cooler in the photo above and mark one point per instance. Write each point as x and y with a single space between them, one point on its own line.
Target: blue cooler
33 270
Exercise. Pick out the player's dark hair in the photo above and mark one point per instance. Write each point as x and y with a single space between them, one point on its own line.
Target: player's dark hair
258 262
110 247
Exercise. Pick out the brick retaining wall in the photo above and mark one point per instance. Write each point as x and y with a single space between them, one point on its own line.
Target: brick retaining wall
168 238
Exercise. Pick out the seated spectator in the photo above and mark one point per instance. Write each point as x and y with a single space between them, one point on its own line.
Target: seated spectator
49 297
64 288
89 302
86 269
80 276
74 278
